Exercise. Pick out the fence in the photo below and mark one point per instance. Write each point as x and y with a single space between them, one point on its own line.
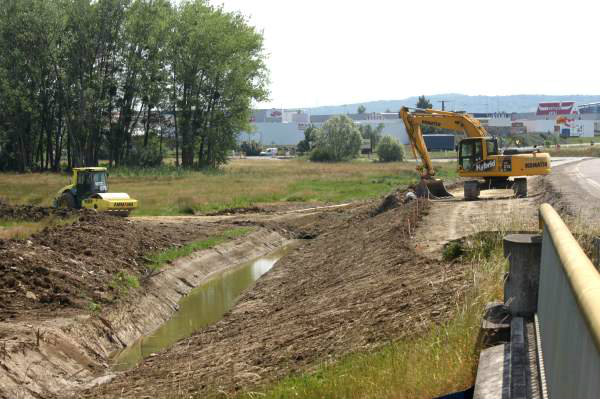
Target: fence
568 313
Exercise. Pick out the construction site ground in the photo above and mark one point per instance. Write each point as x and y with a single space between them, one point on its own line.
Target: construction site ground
362 276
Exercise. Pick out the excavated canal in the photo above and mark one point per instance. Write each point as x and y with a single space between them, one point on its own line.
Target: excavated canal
204 305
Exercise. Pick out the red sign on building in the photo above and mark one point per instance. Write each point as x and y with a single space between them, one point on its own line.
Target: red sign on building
556 108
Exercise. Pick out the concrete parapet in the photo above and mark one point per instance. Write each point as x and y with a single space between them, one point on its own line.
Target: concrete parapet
521 286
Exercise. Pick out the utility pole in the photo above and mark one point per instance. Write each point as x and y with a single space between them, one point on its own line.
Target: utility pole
443 103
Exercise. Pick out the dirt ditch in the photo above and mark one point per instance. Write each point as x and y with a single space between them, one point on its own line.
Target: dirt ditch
357 284
63 310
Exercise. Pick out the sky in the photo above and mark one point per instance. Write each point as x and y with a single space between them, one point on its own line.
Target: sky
331 52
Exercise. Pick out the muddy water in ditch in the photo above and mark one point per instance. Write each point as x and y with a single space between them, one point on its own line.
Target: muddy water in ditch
203 306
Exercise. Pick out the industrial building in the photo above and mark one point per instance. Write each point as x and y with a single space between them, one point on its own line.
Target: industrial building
564 118
286 127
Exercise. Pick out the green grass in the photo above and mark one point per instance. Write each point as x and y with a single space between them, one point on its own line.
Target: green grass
241 183
123 282
159 259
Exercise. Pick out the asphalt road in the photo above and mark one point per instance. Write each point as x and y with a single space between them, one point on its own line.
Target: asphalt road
586 175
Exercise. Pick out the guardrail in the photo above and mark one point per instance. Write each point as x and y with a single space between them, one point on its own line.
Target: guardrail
568 313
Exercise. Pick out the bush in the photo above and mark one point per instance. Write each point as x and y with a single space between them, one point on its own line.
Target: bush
146 157
321 154
338 140
390 150
251 148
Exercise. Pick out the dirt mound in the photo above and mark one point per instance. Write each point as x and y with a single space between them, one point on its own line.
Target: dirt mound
31 212
358 284
237 211
96 260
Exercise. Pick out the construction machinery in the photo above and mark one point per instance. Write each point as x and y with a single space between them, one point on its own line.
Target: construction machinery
478 156
89 189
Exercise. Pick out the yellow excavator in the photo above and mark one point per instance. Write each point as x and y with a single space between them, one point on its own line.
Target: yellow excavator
478 156
89 189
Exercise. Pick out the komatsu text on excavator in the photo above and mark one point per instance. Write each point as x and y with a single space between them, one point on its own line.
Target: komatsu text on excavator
478 156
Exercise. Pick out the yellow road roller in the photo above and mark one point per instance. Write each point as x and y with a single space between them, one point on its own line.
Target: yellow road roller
89 189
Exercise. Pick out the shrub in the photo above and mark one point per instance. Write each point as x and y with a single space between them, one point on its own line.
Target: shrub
390 150
321 154
338 140
251 148
146 157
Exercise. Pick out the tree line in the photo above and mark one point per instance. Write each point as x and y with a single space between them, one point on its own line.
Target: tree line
124 81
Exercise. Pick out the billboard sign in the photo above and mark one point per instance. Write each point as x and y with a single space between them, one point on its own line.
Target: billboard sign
556 108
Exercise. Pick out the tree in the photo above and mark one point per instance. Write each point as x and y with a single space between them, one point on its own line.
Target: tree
361 109
390 150
339 139
310 135
372 134
218 70
112 79
424 103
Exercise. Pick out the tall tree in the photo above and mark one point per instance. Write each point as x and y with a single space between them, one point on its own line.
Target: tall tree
424 103
113 79
372 134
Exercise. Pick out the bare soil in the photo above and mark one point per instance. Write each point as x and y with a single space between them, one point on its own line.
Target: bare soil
61 270
357 284
52 339
32 213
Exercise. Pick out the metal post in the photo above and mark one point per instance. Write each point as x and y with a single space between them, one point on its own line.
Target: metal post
596 252
521 286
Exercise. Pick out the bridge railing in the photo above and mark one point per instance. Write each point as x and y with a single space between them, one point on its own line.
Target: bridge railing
568 313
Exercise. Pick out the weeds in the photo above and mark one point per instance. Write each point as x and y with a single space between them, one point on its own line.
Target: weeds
452 251
159 259
94 307
123 282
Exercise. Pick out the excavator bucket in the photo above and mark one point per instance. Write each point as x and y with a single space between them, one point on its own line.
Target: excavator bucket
432 188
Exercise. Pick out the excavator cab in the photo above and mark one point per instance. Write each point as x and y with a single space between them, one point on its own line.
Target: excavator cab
472 151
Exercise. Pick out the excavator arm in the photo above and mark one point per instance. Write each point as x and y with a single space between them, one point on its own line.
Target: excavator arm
413 119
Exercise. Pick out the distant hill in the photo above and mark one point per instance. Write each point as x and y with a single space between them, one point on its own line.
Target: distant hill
459 102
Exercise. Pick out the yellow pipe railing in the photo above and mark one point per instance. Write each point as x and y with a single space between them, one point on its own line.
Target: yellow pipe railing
581 273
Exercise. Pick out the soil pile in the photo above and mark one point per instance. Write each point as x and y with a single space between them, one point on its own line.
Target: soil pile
358 284
32 213
96 260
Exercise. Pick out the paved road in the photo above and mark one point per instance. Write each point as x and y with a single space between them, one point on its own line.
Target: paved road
577 185
586 175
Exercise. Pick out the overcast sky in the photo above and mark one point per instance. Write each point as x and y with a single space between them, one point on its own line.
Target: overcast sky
330 52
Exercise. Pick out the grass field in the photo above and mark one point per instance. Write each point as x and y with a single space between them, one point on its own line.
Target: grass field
242 183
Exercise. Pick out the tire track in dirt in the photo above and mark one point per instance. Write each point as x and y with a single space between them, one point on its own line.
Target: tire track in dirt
496 210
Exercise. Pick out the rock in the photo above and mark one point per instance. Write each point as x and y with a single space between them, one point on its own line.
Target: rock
31 295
